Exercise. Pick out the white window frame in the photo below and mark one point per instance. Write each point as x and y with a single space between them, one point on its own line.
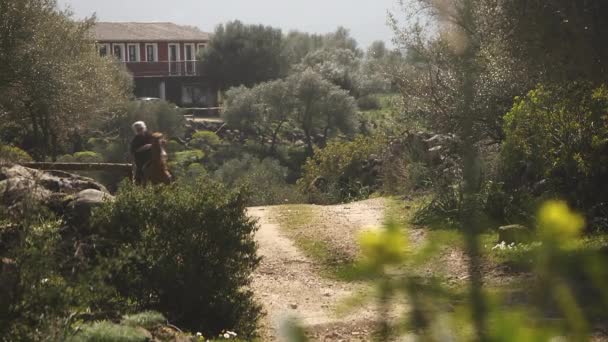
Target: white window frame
178 50
122 51
193 51
109 51
155 47
137 53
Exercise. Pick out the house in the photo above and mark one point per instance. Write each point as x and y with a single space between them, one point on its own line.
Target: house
162 58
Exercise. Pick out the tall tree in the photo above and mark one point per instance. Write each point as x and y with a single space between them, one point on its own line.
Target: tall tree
53 82
305 100
321 107
240 54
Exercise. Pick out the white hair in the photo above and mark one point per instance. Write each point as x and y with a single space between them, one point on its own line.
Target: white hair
139 125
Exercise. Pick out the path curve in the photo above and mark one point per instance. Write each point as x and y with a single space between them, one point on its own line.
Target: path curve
288 284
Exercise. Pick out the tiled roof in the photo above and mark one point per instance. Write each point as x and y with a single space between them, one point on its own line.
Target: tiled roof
141 32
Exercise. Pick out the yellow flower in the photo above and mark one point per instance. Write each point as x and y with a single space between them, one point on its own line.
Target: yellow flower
558 222
383 247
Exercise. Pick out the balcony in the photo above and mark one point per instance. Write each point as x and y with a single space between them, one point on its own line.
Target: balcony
163 69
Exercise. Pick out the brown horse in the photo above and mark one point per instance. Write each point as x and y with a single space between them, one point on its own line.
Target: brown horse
156 171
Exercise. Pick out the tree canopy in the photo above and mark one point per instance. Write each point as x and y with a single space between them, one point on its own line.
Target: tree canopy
240 54
53 83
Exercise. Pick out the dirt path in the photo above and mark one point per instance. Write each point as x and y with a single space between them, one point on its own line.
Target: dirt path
288 284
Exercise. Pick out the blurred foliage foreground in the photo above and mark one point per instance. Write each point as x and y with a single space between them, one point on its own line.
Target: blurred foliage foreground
568 302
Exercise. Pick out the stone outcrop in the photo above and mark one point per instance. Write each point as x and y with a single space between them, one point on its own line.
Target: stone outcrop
515 234
56 189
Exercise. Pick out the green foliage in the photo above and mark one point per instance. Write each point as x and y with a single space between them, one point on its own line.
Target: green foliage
264 179
240 54
315 106
159 116
297 45
368 103
147 319
48 294
186 251
88 157
559 142
342 171
205 139
13 154
187 164
556 287
105 331
52 75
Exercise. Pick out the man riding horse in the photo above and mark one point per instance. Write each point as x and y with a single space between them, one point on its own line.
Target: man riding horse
149 156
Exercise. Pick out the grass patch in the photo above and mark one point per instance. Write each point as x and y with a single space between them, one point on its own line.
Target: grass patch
105 331
148 319
295 221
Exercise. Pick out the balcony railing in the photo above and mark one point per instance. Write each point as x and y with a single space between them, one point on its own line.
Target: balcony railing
163 69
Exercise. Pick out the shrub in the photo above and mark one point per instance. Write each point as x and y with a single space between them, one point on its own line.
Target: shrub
88 157
186 251
203 139
557 143
51 283
109 332
369 103
160 116
265 180
147 319
13 154
342 171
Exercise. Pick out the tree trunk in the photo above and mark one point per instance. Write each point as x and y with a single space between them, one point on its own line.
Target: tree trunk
471 175
275 134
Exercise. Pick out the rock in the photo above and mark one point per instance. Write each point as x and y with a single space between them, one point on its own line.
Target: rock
514 234
293 306
52 188
82 204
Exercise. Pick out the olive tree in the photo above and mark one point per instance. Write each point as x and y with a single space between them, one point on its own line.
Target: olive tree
304 100
53 83
321 107
240 54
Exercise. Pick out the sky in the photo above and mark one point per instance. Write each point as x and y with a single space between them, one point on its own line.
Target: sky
365 18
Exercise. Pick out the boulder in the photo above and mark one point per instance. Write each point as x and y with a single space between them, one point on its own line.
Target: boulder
50 188
515 233
81 205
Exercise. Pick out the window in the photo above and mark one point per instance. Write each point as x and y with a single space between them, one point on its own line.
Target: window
200 48
189 52
103 50
151 53
119 51
133 52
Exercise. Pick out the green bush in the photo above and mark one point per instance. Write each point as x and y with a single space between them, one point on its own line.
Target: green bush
88 157
13 154
147 319
265 180
109 332
186 251
369 102
342 171
159 116
202 139
51 283
557 143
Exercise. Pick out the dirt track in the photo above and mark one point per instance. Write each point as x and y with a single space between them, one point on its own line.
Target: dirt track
288 284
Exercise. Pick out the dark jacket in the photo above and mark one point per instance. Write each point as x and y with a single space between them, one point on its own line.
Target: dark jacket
144 156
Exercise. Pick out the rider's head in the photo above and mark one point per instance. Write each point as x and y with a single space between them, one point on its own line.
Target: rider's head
139 127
